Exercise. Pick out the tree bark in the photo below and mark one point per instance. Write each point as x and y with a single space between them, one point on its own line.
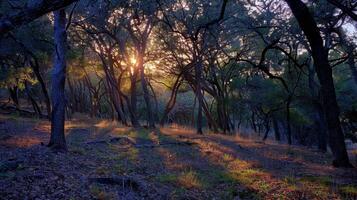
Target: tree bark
324 73
14 95
288 121
36 68
133 99
199 95
150 116
172 101
267 129
35 106
318 115
31 13
352 65
57 140
276 129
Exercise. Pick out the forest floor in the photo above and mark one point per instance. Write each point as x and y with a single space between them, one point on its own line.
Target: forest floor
108 161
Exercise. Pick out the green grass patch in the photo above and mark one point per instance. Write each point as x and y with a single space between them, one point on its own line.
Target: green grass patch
218 177
323 180
189 179
167 178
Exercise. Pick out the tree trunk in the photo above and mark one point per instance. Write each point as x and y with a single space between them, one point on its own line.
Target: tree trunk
352 65
276 129
156 113
267 129
199 95
150 116
57 140
322 136
30 13
171 103
36 68
14 95
318 116
288 123
35 106
133 99
193 112
324 73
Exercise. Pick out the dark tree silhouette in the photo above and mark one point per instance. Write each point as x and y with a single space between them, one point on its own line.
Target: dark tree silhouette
324 74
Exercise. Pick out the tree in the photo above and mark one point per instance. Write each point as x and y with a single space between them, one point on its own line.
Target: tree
30 13
349 10
324 73
57 140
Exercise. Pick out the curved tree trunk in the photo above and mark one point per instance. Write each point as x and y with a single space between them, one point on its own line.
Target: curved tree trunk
57 140
150 116
171 103
31 13
36 68
35 106
324 73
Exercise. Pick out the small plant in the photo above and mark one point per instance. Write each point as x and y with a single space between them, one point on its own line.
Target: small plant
238 164
227 157
189 180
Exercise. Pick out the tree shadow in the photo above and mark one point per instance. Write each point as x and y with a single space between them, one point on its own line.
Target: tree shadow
258 168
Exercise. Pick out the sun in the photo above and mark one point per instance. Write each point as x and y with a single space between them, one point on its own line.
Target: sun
133 60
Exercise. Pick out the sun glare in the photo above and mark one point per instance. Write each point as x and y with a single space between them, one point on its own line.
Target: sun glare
133 60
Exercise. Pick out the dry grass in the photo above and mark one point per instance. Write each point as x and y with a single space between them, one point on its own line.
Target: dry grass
215 166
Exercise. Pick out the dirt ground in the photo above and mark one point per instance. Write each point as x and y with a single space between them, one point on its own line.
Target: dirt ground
108 161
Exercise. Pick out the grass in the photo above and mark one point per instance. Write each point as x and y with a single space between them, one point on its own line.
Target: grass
227 157
221 177
221 174
349 191
167 178
323 180
189 179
